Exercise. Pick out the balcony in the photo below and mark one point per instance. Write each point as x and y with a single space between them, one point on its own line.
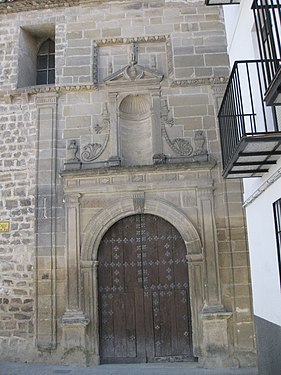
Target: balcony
267 14
250 132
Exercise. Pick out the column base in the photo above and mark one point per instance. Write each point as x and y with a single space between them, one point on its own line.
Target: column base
93 359
114 161
74 338
215 348
72 165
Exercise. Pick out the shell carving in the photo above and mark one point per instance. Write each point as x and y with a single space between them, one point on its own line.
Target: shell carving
91 151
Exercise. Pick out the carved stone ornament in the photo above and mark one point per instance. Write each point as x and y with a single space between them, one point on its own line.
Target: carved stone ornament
98 129
166 115
139 201
159 159
72 160
170 57
199 142
131 40
153 62
133 72
95 64
110 68
180 146
92 151
72 151
105 118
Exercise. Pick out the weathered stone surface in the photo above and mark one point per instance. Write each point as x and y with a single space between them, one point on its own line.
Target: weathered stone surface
179 61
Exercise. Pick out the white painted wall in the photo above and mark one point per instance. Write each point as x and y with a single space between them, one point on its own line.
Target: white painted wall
239 22
263 255
242 45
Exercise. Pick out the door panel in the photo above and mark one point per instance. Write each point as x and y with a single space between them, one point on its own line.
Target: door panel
143 292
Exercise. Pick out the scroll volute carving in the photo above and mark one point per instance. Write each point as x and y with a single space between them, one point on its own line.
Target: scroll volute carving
181 146
93 151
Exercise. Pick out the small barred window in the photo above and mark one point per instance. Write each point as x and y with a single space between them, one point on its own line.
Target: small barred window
46 63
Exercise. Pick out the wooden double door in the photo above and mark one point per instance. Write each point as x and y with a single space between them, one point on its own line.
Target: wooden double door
144 304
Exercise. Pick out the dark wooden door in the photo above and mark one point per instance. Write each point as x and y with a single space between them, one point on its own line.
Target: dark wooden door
144 302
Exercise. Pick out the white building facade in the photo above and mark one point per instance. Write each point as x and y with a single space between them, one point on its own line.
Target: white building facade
120 241
249 117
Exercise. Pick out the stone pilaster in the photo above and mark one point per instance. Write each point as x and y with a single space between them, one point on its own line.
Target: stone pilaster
215 344
115 147
212 301
195 269
45 221
74 321
72 251
157 143
90 293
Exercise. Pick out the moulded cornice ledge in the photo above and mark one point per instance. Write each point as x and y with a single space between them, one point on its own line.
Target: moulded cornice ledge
205 81
15 6
174 167
8 95
33 90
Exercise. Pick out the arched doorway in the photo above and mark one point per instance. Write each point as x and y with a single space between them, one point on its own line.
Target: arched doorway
144 304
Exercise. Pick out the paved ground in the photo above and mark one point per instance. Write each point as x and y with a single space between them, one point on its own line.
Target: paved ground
138 369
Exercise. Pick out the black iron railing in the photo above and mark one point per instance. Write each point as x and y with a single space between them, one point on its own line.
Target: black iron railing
243 112
267 14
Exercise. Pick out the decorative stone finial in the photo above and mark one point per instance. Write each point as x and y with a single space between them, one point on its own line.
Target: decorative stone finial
134 54
72 151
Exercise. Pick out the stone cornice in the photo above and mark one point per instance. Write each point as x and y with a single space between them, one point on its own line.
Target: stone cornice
129 40
205 81
15 6
207 165
9 95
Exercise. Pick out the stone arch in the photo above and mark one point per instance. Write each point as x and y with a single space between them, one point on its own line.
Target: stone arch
99 225
93 234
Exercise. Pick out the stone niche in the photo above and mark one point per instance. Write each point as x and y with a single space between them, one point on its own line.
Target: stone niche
135 130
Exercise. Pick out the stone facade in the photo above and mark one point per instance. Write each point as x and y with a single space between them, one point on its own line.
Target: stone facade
129 126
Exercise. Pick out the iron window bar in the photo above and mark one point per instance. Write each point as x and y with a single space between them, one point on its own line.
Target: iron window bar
267 16
46 63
